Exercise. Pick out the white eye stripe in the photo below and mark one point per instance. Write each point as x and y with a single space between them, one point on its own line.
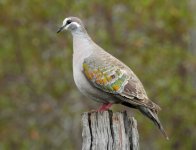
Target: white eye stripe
65 22
73 23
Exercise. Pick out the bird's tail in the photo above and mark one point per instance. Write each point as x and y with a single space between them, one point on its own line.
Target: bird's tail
152 114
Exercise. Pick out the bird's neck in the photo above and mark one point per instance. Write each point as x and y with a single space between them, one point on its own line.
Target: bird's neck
82 43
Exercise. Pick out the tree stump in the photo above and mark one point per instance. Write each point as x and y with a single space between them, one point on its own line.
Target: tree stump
109 131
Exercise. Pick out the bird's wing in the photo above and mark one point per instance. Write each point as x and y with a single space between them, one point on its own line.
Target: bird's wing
110 75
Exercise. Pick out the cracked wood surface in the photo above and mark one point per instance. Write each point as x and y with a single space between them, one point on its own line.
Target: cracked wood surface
109 131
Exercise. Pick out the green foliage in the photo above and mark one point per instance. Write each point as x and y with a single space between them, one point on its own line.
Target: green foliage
40 106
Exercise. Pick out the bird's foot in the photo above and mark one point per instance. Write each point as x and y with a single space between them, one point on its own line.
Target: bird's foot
104 107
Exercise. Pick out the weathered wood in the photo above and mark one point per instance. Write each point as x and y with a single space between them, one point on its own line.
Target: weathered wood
109 131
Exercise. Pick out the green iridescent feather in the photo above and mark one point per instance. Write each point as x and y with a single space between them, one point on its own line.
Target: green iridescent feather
108 78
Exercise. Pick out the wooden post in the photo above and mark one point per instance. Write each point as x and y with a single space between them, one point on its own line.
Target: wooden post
109 131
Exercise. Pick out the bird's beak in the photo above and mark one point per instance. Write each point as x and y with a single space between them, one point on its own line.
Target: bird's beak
60 29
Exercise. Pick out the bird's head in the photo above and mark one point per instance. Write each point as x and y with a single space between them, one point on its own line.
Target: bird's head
72 24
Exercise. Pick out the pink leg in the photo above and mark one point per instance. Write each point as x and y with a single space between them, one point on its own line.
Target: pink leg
105 107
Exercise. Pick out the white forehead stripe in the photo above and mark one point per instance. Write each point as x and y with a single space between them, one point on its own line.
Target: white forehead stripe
65 21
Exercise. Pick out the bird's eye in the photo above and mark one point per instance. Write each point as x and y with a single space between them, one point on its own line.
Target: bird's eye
68 21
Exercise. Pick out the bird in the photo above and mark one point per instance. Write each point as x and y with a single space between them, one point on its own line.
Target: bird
105 79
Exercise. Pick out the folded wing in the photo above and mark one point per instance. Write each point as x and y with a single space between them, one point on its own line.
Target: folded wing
114 77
